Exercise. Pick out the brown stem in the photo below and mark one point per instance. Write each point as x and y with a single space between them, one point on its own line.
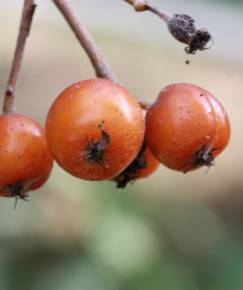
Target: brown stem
100 65
163 15
24 29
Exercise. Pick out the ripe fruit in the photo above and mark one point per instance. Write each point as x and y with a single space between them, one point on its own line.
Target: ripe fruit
95 129
25 161
186 127
142 166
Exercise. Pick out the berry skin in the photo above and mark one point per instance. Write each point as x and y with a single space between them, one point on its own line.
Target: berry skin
41 181
186 127
25 161
151 164
142 166
95 129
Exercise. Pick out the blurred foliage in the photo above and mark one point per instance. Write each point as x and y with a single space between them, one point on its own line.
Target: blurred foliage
181 244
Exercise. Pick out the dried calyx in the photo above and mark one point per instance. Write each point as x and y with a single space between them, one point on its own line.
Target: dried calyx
94 150
18 190
204 156
131 172
183 28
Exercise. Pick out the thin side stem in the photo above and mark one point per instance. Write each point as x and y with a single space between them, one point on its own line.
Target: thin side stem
163 15
24 29
142 5
99 63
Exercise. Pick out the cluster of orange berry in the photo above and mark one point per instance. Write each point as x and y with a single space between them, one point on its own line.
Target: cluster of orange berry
96 130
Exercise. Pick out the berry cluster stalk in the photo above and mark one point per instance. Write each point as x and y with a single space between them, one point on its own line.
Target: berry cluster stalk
181 26
24 29
99 63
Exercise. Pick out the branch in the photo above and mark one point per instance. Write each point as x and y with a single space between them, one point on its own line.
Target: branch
24 29
100 65
181 26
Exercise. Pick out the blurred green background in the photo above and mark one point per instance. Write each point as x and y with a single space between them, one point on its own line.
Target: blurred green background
170 231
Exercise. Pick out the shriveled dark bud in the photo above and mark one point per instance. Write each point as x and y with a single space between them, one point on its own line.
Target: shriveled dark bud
199 41
183 28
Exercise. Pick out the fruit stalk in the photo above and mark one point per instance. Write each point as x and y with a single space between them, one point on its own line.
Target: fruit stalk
24 29
99 63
